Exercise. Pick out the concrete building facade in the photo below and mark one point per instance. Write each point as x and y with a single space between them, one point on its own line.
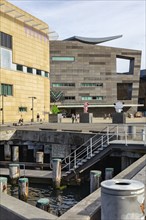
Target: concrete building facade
24 65
85 72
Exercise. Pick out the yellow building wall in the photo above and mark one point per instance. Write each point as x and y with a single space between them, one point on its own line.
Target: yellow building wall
25 86
31 49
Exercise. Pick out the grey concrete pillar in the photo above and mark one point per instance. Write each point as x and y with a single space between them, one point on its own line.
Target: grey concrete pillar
14 173
131 131
15 153
124 162
23 189
95 178
109 172
7 152
43 204
56 173
40 158
122 199
3 184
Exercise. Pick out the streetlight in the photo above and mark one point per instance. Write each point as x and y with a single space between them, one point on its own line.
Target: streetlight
32 109
2 108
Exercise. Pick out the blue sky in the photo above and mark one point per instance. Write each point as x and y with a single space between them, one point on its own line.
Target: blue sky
94 18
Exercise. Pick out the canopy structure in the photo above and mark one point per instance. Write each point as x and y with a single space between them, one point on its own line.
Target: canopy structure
90 40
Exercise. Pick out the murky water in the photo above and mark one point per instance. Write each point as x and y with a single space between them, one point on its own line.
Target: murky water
60 200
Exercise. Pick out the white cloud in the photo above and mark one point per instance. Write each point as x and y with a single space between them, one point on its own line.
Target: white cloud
94 18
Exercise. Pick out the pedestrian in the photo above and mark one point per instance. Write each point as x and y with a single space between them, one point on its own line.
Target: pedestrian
76 117
73 118
38 117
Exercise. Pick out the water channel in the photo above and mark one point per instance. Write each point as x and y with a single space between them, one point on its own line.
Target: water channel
60 200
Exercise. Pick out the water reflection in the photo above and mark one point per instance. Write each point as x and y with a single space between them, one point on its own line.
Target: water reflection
60 200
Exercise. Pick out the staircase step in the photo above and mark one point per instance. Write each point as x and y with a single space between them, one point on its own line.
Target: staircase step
84 160
88 158
80 163
96 151
101 148
68 172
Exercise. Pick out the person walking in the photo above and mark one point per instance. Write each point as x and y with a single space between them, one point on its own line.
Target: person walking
73 118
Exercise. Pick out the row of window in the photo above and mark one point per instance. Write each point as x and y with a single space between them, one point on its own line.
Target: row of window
73 84
31 70
85 98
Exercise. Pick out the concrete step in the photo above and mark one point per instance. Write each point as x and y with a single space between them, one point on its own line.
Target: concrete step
96 151
101 148
68 172
80 163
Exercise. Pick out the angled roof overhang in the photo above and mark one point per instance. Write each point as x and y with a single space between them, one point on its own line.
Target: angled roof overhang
90 40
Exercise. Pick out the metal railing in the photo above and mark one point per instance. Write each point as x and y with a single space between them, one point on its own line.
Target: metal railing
101 140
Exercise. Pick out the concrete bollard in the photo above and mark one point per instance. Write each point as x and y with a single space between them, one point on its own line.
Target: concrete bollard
7 152
56 173
109 173
43 204
15 153
14 173
3 184
23 189
40 158
122 199
95 177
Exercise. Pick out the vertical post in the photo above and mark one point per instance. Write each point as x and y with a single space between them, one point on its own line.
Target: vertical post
75 159
109 173
2 108
56 173
32 98
102 140
23 189
107 135
15 153
7 152
43 204
125 135
14 173
91 147
40 158
95 177
117 132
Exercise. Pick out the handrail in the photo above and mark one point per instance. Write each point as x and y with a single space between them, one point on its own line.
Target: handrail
87 149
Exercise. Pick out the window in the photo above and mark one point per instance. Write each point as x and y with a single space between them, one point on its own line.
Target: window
22 109
29 69
19 67
124 65
38 72
124 91
89 98
46 74
5 40
69 97
60 58
63 84
6 89
91 84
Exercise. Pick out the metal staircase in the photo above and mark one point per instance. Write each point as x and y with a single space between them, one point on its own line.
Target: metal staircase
88 153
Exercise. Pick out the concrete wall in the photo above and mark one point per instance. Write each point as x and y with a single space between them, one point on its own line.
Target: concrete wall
14 209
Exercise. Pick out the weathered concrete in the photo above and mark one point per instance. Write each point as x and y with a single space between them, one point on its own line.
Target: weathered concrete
14 209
